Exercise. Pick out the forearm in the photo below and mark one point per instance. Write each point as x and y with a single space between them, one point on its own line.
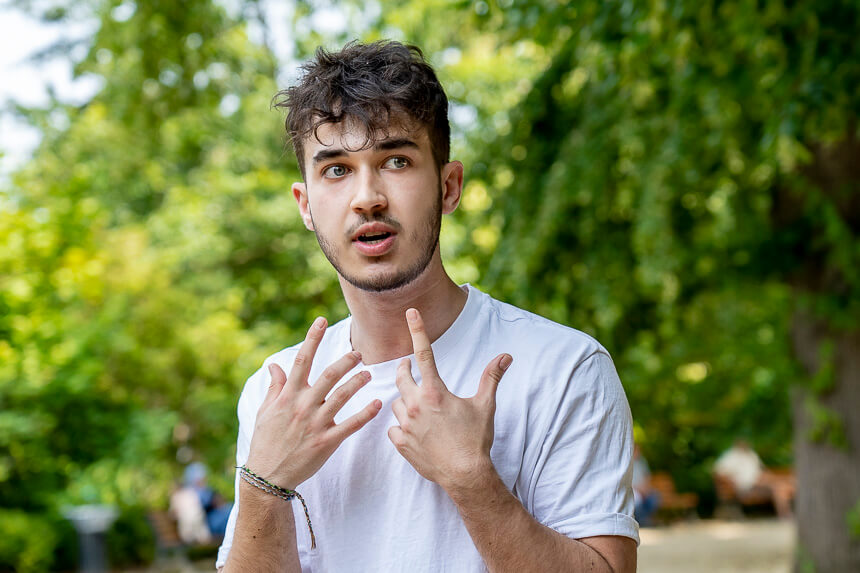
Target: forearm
510 539
265 535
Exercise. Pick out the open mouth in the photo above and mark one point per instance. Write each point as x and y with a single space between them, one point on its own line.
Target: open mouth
373 238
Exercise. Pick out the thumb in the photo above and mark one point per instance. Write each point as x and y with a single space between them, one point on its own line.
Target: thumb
491 377
278 379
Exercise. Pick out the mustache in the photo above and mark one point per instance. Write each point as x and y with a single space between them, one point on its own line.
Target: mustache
379 218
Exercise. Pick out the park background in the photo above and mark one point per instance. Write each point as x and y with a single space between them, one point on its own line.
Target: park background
677 178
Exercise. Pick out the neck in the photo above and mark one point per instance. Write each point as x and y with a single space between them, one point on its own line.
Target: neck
379 329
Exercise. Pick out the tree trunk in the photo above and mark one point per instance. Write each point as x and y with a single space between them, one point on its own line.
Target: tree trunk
828 476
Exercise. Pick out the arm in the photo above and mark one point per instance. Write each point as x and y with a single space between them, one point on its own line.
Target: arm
294 435
447 439
510 539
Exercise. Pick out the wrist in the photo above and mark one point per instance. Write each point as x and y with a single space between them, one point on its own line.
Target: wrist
474 481
260 499
259 468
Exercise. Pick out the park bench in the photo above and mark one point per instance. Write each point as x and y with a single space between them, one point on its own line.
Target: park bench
732 501
673 503
168 544
167 541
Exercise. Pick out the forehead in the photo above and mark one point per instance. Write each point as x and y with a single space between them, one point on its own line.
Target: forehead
351 136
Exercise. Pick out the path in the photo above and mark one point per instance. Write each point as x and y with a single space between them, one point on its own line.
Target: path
705 546
712 546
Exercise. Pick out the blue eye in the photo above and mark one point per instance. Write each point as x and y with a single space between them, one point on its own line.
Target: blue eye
396 163
334 172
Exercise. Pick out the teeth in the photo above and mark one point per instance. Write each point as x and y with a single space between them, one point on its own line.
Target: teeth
373 237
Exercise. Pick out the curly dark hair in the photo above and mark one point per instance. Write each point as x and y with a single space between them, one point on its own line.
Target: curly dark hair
376 85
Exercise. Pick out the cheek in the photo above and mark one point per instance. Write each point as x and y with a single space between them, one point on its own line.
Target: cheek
326 213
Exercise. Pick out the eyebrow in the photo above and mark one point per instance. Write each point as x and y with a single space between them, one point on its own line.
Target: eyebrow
386 145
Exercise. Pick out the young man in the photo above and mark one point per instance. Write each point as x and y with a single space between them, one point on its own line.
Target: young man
393 424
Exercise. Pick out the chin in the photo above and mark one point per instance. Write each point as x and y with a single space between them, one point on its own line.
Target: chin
380 282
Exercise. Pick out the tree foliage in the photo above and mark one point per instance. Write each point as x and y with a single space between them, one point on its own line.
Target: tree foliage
667 176
150 257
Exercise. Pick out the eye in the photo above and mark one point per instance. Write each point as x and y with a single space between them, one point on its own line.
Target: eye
396 162
334 172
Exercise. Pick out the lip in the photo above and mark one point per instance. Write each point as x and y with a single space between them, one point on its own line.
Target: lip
377 249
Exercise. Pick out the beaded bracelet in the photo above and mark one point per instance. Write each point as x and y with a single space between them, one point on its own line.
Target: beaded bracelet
278 491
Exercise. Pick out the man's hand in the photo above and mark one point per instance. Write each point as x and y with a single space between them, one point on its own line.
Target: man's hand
447 439
295 431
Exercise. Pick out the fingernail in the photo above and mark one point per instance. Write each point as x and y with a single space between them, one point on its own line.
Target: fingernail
356 354
366 375
505 361
411 314
319 322
271 369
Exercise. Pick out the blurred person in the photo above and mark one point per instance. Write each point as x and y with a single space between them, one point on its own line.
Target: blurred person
646 499
186 509
742 467
215 509
408 452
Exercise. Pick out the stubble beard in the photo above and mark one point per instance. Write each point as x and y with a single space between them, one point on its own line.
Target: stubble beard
426 237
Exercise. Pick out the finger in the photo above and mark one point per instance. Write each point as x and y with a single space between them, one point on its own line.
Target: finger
421 346
342 395
403 378
491 377
305 356
333 373
278 378
357 421
400 412
397 436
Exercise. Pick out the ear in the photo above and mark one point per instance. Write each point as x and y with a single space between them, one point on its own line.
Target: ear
300 192
452 186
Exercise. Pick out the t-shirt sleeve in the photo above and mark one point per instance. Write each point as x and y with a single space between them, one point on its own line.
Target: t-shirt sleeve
247 412
581 485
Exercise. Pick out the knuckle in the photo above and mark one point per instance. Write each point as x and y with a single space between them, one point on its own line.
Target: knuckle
329 375
301 359
413 410
337 399
432 396
425 355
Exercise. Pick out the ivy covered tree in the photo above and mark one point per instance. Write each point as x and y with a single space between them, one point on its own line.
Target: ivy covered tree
681 180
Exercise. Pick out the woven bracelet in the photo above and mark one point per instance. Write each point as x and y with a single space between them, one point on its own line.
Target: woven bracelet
278 491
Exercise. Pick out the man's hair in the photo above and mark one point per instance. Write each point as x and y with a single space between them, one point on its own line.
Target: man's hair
376 85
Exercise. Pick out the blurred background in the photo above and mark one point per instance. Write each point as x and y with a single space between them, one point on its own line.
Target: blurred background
676 178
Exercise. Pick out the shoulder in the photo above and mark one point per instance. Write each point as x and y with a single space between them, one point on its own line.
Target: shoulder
536 334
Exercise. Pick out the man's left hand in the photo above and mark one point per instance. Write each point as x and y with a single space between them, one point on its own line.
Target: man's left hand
447 439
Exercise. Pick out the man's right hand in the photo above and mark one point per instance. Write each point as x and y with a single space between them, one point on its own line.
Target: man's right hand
295 431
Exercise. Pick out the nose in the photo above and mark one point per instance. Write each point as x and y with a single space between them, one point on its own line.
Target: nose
370 196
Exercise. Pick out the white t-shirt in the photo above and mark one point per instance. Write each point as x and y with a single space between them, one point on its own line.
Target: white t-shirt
563 445
740 465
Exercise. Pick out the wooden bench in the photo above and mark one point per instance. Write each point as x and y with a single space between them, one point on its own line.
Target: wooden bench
673 503
776 479
167 541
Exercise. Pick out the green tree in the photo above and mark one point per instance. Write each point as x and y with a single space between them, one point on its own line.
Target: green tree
150 257
680 179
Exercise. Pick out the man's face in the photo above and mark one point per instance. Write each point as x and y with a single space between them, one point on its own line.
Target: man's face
376 212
